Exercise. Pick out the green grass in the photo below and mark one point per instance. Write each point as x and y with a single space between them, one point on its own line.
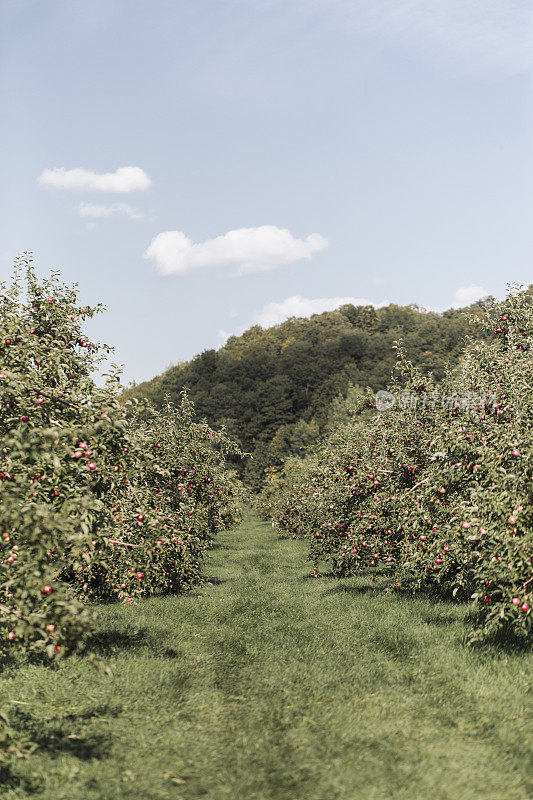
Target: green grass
270 684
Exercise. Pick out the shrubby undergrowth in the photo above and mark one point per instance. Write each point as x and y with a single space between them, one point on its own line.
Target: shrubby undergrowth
95 503
437 490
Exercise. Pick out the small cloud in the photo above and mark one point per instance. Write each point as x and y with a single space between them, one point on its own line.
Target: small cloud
466 295
296 306
251 250
117 209
122 181
378 281
233 314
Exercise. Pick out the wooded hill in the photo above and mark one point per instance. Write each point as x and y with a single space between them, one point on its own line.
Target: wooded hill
275 389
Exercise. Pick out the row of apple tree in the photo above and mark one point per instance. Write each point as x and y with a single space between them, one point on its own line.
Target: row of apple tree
433 488
99 500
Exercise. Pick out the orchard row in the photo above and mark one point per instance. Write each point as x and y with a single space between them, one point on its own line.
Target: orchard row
438 499
99 500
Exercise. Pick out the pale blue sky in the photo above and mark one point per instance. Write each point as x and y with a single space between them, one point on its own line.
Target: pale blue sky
391 141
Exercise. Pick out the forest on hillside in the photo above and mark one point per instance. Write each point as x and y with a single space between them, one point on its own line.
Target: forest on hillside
275 390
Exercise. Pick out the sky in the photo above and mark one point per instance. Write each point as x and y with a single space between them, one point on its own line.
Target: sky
203 166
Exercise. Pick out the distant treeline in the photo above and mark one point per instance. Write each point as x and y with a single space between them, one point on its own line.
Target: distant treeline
275 389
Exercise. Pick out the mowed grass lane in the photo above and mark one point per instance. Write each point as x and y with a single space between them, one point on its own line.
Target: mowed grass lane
270 684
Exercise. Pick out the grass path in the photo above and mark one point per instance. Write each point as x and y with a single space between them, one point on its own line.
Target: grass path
270 685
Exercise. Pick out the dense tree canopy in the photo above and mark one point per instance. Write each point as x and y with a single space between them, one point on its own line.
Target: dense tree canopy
273 388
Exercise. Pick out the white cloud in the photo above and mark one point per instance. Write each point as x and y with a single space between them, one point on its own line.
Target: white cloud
122 181
249 249
466 295
117 209
473 34
296 306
